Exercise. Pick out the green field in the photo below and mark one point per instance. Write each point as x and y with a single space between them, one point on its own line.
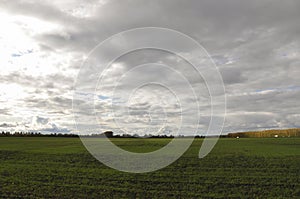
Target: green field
44 167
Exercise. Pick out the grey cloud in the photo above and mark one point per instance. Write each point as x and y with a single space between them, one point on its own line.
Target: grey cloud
5 111
41 120
7 125
54 129
41 10
58 80
247 39
232 76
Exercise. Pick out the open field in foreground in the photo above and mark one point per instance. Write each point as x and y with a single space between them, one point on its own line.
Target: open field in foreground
236 168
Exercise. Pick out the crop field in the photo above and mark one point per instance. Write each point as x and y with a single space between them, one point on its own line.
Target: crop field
45 167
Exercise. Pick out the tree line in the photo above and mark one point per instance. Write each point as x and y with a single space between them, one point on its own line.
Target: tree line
34 134
266 133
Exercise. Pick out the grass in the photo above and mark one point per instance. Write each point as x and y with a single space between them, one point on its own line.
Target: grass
43 167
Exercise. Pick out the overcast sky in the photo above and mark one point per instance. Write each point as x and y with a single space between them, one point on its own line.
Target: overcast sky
255 45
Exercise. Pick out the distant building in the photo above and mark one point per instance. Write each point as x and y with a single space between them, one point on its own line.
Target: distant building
109 134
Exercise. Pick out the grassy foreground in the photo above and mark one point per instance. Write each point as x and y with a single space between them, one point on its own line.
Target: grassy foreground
237 168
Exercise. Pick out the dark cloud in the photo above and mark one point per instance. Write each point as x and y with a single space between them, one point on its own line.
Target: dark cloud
41 120
7 125
232 76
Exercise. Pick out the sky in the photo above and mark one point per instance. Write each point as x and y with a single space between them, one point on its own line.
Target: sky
255 45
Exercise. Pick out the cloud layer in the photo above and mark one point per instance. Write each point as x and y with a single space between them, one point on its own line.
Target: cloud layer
255 45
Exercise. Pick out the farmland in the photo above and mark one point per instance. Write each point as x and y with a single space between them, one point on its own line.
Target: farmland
50 167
